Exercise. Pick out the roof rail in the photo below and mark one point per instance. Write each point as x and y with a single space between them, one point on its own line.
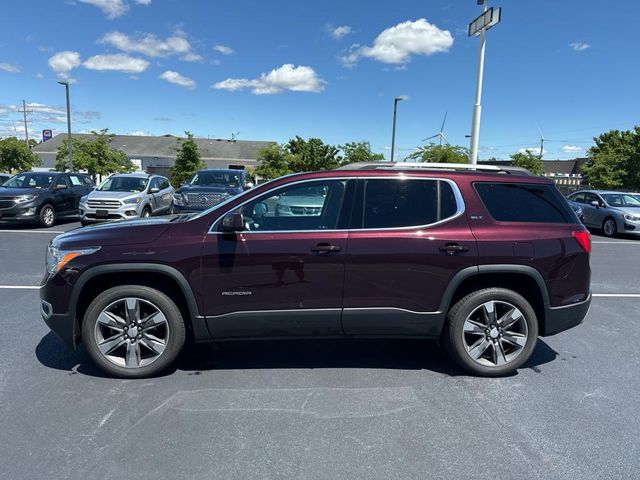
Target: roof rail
385 165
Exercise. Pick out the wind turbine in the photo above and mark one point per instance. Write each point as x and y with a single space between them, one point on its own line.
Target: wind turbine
440 134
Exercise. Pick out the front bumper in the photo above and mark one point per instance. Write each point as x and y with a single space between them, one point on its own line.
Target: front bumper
126 211
559 319
186 209
20 212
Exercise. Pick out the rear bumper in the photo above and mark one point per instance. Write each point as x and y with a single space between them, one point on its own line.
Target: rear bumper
559 319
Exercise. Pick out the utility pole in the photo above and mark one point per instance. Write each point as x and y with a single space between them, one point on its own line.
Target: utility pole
26 127
479 26
393 131
69 141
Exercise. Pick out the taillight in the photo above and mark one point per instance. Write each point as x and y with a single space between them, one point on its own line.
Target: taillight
584 239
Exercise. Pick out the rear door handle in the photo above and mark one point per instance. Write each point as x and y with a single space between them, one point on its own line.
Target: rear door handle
453 248
325 249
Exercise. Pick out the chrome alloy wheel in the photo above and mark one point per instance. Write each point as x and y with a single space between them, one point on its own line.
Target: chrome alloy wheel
131 332
48 215
609 227
495 333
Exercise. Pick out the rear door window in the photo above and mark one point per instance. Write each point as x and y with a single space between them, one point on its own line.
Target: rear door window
517 202
401 203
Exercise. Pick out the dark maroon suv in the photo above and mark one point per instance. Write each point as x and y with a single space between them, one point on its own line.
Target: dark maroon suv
482 258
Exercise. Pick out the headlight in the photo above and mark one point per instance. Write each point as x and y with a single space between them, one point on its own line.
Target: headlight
25 198
132 201
58 258
631 218
178 199
84 199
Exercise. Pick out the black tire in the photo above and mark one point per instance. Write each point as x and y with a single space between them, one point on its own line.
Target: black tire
174 324
146 212
47 216
609 227
453 336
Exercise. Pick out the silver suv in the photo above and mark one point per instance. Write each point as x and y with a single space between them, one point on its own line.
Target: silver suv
124 196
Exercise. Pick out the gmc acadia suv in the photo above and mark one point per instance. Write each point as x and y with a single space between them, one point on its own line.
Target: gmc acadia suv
482 258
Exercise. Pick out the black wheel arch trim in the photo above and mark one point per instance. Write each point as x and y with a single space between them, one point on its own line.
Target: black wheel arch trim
200 330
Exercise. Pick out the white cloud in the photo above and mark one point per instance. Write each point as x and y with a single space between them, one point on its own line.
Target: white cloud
63 62
532 150
286 77
223 49
111 8
117 63
43 108
340 31
143 2
396 44
152 46
174 77
572 149
579 46
138 133
7 67
39 76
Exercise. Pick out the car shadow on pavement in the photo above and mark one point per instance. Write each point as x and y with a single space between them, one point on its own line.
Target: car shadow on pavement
7 225
290 354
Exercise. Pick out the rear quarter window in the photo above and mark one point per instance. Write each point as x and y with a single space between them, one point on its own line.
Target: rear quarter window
517 202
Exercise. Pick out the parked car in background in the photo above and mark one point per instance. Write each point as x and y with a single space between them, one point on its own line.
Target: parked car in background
612 212
301 201
459 253
208 188
125 196
4 177
42 197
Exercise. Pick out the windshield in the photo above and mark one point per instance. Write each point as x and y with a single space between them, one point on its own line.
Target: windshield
306 192
30 180
622 200
217 179
123 184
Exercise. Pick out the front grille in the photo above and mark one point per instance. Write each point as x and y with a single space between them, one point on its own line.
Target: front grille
104 204
6 203
204 200
306 210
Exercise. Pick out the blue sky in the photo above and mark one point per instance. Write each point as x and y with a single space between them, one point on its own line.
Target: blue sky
275 69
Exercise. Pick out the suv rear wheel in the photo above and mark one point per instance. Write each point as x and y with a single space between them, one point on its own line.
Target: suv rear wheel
133 331
491 332
47 216
609 227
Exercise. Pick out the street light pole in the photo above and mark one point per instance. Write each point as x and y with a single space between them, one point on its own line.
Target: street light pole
477 106
69 141
393 134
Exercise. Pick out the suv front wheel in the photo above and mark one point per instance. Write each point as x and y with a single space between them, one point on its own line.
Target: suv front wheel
133 331
491 332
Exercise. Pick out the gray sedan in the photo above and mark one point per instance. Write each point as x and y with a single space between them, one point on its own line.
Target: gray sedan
612 212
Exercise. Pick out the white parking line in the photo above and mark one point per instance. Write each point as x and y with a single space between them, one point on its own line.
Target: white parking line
19 287
617 295
55 232
619 243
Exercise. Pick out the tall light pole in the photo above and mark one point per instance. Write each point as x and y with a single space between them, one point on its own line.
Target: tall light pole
479 26
69 141
393 134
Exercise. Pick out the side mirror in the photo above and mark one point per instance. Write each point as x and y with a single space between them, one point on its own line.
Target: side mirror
595 203
61 186
232 222
154 190
183 183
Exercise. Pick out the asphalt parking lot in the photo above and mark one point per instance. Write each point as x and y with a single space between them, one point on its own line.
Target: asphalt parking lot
322 409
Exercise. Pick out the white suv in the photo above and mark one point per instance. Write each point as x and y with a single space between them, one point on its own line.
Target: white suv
124 196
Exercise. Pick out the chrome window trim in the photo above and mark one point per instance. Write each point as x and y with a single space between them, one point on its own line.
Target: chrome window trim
460 206
328 310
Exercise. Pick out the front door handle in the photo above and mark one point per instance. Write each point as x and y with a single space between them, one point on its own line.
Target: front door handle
325 249
453 248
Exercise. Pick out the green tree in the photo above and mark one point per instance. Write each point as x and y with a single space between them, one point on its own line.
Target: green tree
188 161
274 162
15 156
528 160
359 152
614 161
312 155
433 153
94 155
